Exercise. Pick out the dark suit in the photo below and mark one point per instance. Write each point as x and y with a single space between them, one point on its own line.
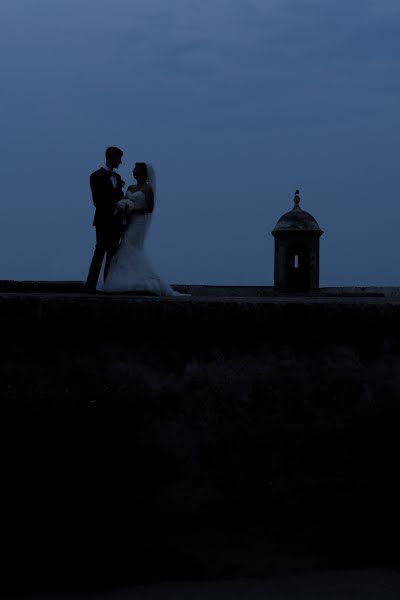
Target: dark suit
108 226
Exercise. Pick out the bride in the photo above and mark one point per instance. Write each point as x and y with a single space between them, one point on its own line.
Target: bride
130 269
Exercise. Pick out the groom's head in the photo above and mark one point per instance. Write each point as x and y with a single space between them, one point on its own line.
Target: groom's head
113 157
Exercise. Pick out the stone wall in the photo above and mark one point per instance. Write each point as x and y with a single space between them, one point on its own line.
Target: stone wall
164 437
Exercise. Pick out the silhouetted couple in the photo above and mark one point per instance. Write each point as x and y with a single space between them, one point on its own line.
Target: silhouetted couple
122 222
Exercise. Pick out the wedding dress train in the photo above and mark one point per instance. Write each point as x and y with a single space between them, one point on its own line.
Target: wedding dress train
130 269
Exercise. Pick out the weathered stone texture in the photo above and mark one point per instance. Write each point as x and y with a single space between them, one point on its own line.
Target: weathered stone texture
128 424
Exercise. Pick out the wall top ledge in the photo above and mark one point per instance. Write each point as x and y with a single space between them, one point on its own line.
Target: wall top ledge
68 288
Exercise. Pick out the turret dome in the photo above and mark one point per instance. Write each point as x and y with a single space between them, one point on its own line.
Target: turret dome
297 219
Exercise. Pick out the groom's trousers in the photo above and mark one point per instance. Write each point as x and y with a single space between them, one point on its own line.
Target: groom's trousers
107 241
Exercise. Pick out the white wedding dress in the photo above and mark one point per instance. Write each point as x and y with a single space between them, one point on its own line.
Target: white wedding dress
130 269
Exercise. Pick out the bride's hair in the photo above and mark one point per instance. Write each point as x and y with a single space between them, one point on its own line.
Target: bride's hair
143 167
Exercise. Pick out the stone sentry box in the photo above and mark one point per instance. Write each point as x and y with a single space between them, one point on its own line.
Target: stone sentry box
296 236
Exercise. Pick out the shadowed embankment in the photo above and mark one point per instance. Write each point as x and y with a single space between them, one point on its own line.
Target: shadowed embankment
146 439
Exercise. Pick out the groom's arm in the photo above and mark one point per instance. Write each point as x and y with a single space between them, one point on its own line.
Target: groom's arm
120 185
100 193
97 191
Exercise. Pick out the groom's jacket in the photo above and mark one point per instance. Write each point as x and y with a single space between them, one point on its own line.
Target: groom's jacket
104 196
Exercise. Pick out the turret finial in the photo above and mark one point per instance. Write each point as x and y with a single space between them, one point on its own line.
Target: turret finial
296 199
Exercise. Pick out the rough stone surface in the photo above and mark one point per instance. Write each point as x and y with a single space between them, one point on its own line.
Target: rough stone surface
221 291
178 437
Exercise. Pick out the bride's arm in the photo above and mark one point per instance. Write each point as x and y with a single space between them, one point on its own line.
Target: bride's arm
123 206
149 203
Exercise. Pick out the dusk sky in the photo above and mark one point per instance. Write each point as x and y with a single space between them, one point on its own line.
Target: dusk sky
236 103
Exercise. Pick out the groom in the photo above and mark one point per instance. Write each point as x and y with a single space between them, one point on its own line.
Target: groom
106 186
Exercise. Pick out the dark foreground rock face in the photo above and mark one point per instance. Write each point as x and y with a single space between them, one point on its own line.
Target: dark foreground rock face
146 439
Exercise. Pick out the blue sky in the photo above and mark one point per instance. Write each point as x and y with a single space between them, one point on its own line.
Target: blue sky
235 102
